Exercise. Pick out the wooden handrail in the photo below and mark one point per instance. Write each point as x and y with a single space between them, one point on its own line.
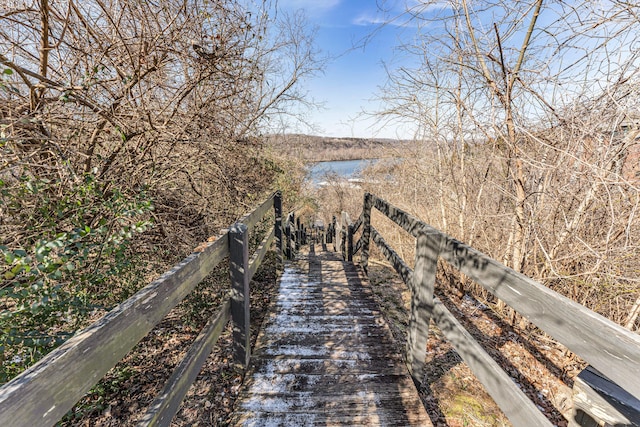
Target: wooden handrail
45 392
396 261
256 215
609 347
167 403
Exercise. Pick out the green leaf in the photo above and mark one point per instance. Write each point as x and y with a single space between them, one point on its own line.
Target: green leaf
8 71
9 257
20 252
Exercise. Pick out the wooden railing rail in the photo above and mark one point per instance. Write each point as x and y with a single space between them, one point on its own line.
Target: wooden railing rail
44 393
345 236
611 349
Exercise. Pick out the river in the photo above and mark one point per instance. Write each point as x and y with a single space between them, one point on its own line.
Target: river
342 168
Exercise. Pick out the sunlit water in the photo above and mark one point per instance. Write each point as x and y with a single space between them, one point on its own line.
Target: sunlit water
346 169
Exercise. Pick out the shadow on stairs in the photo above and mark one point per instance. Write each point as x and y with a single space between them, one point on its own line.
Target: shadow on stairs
326 356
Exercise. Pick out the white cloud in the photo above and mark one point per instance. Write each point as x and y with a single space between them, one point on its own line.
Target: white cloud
401 13
368 19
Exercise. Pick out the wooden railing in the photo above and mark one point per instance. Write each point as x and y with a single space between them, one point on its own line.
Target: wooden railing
44 393
295 235
608 347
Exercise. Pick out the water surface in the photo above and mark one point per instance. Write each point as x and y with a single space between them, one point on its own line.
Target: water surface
346 169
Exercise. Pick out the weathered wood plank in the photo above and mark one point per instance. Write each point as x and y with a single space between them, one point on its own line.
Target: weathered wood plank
287 232
358 223
349 243
340 341
324 355
358 246
277 209
392 256
365 238
258 256
609 347
255 216
167 403
328 366
597 401
240 292
346 240
421 285
46 391
408 222
323 418
383 400
514 403
326 387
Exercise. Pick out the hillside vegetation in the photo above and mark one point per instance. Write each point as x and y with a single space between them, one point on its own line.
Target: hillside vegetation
311 148
127 138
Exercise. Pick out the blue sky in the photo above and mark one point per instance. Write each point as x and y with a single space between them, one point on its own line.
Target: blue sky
351 79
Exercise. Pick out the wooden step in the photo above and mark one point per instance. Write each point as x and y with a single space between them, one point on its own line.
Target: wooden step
325 355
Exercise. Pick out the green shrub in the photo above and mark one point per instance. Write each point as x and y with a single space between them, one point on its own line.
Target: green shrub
74 258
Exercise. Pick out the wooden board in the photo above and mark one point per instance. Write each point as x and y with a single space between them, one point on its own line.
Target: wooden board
597 401
325 356
505 392
45 392
166 405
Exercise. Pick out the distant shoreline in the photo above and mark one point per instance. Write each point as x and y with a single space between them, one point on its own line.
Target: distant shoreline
345 159
313 149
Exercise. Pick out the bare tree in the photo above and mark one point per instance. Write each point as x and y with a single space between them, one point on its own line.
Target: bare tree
159 93
531 105
115 114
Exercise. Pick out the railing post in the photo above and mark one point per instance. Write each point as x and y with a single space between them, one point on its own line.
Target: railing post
342 240
298 234
346 237
277 210
428 248
294 235
335 232
238 267
366 231
350 242
287 229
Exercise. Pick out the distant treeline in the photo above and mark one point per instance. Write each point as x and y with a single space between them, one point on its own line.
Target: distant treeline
311 148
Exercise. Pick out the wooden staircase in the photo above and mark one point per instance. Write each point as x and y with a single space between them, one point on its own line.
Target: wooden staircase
325 356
